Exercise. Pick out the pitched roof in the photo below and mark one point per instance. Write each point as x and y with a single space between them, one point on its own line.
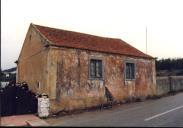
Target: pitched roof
78 40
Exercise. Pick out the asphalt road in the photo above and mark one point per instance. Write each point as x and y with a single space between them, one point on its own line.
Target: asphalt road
166 111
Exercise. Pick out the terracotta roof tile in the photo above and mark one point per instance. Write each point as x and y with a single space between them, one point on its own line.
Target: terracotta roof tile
89 42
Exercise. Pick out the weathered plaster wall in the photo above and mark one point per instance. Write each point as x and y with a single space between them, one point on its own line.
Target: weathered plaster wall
143 85
32 62
72 89
71 86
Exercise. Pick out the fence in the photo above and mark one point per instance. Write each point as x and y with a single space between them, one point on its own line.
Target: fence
17 99
169 84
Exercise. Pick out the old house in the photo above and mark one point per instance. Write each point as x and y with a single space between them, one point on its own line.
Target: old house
79 70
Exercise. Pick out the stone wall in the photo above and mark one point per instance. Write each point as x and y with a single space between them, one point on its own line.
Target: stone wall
169 84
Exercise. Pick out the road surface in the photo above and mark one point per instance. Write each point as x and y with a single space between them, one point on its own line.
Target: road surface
166 111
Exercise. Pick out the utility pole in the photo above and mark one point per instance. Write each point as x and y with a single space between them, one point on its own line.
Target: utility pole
146 39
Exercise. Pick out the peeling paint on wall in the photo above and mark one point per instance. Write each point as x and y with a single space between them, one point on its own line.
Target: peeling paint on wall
77 86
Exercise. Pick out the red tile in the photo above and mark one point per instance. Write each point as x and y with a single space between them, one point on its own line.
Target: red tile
89 42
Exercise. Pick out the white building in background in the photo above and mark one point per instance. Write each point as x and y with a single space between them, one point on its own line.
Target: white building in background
8 76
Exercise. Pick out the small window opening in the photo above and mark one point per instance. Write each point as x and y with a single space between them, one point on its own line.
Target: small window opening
30 37
38 85
130 71
96 68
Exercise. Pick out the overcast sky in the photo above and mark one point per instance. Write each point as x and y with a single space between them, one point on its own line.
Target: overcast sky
125 19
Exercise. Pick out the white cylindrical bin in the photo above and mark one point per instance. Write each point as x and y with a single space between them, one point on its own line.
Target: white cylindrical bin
43 106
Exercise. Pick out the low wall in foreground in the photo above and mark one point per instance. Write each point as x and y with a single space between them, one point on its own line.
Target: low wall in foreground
169 84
